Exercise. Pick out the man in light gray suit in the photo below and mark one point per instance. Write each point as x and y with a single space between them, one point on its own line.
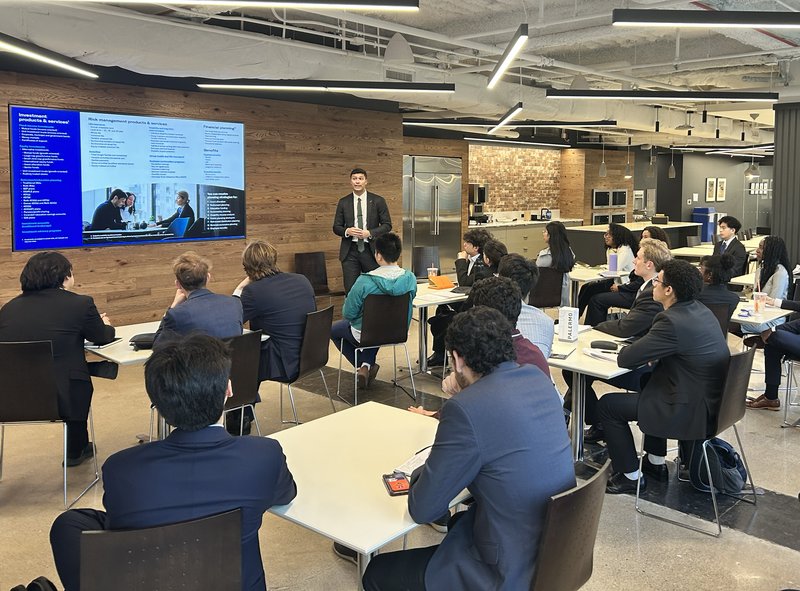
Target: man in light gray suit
502 437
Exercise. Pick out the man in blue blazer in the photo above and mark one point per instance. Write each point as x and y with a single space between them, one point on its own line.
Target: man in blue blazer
503 438
195 308
199 470
360 217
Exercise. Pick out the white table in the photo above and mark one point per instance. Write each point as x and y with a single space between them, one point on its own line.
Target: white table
582 365
337 462
769 314
580 275
744 280
693 252
425 298
121 352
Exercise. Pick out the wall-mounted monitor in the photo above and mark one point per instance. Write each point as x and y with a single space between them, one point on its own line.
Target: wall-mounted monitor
601 198
619 198
69 168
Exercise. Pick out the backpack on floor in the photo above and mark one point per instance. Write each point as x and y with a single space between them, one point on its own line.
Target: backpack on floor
727 469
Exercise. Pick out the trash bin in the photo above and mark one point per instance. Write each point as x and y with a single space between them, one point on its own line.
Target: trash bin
706 217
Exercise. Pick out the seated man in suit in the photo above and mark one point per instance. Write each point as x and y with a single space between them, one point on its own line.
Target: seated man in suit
388 279
690 361
108 215
727 228
184 210
199 470
470 267
503 438
535 325
195 308
651 255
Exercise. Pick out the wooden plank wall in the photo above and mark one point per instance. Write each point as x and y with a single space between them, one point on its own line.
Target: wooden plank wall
298 159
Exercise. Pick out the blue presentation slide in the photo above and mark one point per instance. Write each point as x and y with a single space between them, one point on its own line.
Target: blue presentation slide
66 164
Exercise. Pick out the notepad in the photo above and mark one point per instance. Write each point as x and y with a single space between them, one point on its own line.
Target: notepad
90 345
440 282
414 462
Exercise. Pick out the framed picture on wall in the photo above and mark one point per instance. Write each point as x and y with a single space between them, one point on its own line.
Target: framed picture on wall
721 187
711 189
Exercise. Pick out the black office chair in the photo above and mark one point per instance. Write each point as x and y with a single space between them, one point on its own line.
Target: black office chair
245 358
422 258
722 313
197 229
202 555
730 410
547 293
30 395
384 324
566 548
313 354
312 266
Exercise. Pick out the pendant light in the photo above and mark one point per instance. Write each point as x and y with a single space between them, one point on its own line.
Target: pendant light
704 118
716 132
651 168
753 171
658 123
628 173
603 172
743 131
672 173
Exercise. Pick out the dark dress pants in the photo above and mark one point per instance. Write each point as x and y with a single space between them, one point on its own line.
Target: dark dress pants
633 381
343 338
597 308
398 571
77 437
65 540
589 290
784 341
356 263
615 410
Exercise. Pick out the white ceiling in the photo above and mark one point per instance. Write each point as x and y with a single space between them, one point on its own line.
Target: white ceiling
453 41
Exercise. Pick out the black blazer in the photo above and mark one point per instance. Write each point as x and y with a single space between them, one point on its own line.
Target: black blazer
638 320
65 319
719 294
682 397
479 271
187 212
737 250
278 306
379 221
107 216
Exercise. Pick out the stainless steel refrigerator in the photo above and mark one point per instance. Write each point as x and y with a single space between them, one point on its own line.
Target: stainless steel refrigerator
431 209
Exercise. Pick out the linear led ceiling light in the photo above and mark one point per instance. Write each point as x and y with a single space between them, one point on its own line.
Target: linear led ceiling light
387 5
510 114
714 19
692 96
329 86
473 122
35 53
514 46
515 143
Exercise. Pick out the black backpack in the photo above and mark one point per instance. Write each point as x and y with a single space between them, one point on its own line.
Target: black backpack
727 469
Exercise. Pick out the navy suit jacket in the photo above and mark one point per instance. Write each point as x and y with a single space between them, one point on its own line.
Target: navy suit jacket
278 306
107 216
66 319
503 438
378 220
737 250
205 312
681 398
196 474
639 318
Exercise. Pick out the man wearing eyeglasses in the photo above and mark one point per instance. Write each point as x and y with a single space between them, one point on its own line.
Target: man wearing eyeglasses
690 361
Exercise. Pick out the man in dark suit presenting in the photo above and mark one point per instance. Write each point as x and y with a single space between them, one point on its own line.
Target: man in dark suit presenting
690 359
361 217
199 470
503 438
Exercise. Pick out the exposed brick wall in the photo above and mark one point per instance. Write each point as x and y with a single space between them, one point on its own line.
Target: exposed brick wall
520 179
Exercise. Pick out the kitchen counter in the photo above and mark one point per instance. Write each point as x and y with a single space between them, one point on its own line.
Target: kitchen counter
639 226
504 224
523 237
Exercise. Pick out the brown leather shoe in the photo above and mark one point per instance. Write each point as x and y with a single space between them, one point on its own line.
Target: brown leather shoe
373 371
363 377
764 403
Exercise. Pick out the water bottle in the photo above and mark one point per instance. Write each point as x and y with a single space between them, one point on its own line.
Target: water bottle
612 261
